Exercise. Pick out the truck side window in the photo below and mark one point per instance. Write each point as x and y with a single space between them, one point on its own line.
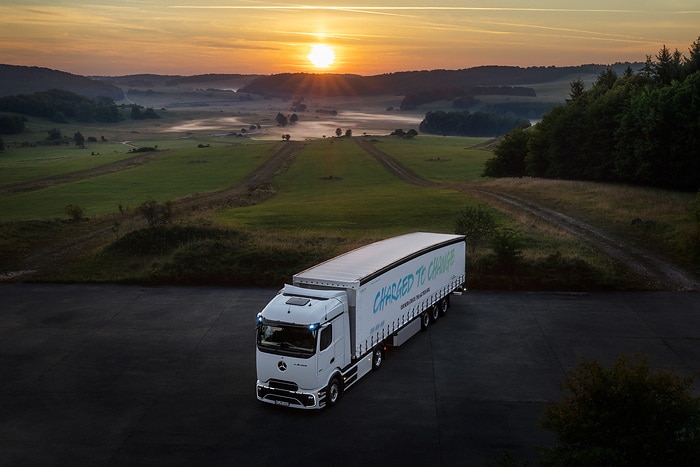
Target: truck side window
326 337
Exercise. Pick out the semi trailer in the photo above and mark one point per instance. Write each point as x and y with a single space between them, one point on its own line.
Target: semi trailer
330 327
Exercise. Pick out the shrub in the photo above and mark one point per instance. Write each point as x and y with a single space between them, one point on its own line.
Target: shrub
225 262
624 415
693 237
507 245
75 212
156 213
476 223
160 240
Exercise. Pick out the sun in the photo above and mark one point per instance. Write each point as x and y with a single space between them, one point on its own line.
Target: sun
321 55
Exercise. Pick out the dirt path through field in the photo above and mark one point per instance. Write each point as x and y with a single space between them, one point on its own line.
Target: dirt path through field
657 273
105 169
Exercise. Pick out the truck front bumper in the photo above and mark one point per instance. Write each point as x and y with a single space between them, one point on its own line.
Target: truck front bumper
298 399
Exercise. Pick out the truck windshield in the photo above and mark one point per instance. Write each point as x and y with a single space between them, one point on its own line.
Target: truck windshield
299 341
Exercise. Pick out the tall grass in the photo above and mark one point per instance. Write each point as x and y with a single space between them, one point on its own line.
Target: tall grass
654 218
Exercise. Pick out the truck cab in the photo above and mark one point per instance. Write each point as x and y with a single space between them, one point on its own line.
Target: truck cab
302 345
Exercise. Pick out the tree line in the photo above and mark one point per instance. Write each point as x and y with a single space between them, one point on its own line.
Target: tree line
59 106
465 123
12 124
62 106
641 128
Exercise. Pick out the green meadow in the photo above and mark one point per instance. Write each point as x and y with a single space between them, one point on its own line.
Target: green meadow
171 174
332 197
334 187
26 164
439 159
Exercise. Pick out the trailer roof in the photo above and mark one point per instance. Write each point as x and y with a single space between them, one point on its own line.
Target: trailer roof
360 265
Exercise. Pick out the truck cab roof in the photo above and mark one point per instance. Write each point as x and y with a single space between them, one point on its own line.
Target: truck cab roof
297 305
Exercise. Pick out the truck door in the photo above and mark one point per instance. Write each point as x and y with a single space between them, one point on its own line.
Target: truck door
326 353
339 342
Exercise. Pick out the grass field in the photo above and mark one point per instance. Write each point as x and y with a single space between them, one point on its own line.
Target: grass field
439 159
334 187
333 197
665 220
173 173
21 165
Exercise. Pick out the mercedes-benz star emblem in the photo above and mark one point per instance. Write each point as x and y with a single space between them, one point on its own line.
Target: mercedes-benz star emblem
281 365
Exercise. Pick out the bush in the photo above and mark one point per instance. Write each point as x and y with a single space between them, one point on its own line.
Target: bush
156 213
507 245
225 262
554 272
624 415
75 212
161 240
477 224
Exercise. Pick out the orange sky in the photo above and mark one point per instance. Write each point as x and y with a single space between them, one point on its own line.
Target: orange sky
119 37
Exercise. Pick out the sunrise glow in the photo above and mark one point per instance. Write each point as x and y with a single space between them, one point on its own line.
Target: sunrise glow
321 55
118 37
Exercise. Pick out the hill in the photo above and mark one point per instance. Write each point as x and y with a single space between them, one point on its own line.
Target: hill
441 83
217 80
16 80
411 82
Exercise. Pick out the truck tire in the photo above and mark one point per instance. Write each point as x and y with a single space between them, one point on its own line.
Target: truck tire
424 320
333 393
377 357
444 304
434 313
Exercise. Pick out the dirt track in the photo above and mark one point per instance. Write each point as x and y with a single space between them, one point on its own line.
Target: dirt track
656 272
74 176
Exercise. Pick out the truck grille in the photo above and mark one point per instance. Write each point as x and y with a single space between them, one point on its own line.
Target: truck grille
286 385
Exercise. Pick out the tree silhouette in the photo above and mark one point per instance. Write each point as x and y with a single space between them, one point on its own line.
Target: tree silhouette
79 139
281 119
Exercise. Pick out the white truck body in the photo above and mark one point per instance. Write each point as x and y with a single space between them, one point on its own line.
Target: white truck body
320 335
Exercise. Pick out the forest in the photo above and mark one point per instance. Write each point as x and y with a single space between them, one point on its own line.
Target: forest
465 123
639 128
59 106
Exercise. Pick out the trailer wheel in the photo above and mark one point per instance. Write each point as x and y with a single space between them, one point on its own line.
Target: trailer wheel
424 321
444 304
434 313
333 393
377 357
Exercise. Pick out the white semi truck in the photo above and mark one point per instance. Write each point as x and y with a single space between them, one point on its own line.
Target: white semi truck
322 334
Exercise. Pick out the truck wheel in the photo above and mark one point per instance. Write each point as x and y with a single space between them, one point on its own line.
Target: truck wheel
434 313
377 357
444 304
424 321
333 393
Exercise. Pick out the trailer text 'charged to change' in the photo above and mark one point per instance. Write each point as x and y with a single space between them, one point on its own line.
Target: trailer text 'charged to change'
439 265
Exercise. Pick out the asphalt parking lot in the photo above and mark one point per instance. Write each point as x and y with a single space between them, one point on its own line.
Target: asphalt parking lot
128 375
